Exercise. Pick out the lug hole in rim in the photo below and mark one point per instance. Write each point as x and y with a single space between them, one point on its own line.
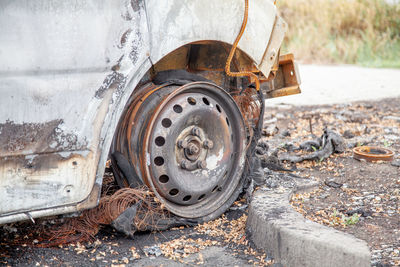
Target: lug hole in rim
227 121
205 100
191 101
159 161
173 192
187 198
201 197
218 108
160 141
215 189
178 108
163 179
166 123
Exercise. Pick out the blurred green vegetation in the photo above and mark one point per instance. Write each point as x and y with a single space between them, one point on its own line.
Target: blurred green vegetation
363 32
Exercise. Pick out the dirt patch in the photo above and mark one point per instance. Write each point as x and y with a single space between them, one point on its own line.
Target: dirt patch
356 197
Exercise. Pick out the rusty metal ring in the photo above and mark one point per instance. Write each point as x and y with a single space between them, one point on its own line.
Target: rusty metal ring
373 153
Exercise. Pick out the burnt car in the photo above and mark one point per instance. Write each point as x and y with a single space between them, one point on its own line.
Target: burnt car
168 90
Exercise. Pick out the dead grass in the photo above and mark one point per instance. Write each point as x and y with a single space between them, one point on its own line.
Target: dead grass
365 32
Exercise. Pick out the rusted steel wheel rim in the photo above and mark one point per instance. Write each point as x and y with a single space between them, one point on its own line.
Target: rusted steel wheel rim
189 142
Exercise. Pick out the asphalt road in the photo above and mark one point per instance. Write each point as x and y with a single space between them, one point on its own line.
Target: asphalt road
323 84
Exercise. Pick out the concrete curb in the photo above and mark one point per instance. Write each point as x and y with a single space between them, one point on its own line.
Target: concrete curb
274 226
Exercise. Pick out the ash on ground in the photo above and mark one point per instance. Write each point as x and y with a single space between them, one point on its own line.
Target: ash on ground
358 197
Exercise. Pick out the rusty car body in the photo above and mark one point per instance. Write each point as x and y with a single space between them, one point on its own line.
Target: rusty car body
70 70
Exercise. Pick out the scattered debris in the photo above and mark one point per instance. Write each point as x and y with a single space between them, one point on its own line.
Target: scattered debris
273 163
348 134
329 143
396 163
271 130
333 184
311 145
360 141
309 117
360 211
357 197
262 147
285 133
153 250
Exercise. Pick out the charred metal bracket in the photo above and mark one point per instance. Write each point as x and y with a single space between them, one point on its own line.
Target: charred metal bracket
286 80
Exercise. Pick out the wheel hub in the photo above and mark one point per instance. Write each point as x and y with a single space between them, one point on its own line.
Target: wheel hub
191 151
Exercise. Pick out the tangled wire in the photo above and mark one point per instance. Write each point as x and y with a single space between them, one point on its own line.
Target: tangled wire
87 225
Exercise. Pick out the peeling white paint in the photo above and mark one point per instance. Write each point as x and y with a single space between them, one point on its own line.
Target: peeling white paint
214 159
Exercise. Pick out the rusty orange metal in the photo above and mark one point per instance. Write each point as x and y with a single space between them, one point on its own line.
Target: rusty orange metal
249 107
373 153
286 80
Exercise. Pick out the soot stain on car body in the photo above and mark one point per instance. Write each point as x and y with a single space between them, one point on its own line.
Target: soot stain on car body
29 138
113 80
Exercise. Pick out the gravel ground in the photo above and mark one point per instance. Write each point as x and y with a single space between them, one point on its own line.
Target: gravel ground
358 197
